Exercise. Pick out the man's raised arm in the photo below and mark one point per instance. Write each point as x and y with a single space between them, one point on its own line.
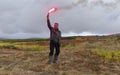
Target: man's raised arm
48 22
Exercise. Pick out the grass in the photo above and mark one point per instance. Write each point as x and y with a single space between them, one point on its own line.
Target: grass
118 38
33 47
108 55
22 40
79 56
9 47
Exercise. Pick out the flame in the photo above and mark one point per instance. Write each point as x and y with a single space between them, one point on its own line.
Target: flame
52 10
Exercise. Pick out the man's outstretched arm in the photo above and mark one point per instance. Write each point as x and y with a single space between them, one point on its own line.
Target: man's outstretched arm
48 22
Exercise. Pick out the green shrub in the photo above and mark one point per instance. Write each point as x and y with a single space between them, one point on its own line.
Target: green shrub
107 54
8 47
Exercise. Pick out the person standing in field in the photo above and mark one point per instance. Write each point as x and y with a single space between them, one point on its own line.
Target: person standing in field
55 41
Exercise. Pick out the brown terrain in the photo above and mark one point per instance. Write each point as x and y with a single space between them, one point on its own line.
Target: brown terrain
76 58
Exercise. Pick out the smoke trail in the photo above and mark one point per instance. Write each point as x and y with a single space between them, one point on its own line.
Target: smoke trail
110 5
92 4
74 4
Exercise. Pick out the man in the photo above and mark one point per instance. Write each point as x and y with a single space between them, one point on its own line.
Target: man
55 41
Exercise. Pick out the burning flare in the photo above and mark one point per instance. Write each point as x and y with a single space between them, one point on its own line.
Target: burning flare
52 10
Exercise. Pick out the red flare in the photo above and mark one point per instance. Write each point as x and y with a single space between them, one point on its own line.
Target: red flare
52 10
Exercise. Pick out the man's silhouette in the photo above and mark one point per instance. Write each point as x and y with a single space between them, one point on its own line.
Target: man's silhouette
55 41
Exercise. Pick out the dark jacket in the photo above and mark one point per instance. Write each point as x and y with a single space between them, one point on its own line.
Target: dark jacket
52 31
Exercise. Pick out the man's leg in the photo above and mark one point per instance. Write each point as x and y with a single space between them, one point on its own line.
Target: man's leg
57 46
51 51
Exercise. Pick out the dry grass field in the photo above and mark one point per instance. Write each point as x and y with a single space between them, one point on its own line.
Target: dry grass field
90 55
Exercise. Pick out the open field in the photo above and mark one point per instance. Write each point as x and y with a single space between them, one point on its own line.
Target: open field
91 55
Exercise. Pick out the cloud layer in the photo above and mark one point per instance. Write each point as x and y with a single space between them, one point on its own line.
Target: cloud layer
27 18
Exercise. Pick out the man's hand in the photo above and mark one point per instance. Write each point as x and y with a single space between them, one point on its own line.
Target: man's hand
48 15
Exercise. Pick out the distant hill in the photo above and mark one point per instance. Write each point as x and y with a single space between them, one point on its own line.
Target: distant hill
116 35
68 37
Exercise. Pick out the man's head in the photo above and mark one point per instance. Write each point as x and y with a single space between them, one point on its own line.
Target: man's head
56 25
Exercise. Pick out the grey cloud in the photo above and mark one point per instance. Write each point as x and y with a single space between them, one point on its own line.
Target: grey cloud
92 3
27 18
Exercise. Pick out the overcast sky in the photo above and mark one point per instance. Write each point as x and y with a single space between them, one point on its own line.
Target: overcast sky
27 18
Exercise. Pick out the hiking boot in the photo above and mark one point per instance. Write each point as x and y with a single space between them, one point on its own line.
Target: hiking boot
55 59
50 59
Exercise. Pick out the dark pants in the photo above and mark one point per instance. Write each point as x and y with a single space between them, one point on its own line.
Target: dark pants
56 46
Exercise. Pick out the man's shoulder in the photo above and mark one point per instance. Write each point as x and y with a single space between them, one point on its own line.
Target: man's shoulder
59 31
51 28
